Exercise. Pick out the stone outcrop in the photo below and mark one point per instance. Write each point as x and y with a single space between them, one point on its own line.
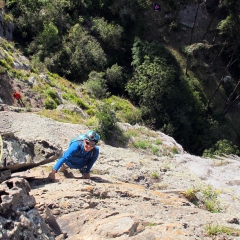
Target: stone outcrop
19 154
133 194
19 219
6 29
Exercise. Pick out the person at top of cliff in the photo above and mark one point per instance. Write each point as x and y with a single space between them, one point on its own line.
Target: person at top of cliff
16 95
156 7
81 154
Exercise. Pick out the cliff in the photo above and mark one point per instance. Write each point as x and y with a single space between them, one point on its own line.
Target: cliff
132 194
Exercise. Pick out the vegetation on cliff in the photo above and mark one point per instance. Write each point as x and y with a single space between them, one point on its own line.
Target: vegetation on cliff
174 75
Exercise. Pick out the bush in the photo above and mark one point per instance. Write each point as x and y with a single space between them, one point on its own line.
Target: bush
107 121
110 33
81 104
96 84
50 104
53 94
114 76
221 148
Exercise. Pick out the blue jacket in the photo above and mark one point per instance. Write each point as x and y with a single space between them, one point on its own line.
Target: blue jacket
76 157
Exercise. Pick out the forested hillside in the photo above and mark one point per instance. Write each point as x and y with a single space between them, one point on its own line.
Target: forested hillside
179 64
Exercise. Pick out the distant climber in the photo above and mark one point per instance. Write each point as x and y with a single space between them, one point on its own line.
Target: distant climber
17 95
156 7
81 154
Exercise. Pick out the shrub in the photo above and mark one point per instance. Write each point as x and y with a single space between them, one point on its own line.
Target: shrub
125 111
107 121
91 112
190 194
53 94
114 76
96 84
211 202
50 104
221 148
216 229
110 33
81 104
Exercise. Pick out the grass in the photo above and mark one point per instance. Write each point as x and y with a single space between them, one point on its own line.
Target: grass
62 116
154 175
213 230
124 109
190 194
132 133
142 144
158 142
209 200
174 150
152 224
155 151
212 204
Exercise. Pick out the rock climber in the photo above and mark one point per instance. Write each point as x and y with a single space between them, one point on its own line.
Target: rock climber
81 154
17 95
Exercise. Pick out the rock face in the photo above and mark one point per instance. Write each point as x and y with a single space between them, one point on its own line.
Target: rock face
6 29
19 154
19 217
133 194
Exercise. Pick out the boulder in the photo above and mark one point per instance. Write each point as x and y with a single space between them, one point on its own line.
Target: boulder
19 217
20 154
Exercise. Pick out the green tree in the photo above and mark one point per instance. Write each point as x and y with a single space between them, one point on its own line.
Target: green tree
221 148
114 76
110 33
49 36
96 83
81 54
151 83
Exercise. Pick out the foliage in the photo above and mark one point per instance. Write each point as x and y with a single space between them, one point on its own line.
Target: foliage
53 94
214 230
80 55
50 104
49 36
155 150
221 148
174 150
142 144
93 42
81 104
110 33
158 142
211 202
62 116
96 83
128 10
154 175
114 76
152 224
209 199
107 121
124 110
190 194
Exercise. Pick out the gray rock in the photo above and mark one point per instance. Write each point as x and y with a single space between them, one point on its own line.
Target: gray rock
187 15
19 154
19 218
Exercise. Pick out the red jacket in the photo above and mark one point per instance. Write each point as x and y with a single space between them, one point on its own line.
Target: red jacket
16 95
